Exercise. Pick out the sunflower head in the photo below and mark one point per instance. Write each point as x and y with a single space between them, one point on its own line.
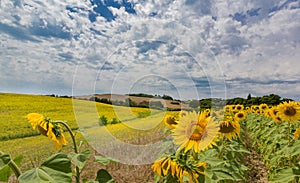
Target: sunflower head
263 107
47 128
229 128
36 119
289 111
240 115
195 131
170 121
55 132
297 133
239 107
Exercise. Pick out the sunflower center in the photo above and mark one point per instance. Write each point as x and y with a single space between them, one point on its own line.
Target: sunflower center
42 130
290 111
196 131
171 121
226 128
240 115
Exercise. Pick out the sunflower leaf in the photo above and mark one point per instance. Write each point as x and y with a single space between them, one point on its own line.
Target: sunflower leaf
55 169
80 159
104 160
104 177
284 175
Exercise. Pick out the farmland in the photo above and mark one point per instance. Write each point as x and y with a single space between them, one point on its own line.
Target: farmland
254 144
18 137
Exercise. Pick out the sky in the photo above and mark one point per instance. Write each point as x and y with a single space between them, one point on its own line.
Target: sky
188 49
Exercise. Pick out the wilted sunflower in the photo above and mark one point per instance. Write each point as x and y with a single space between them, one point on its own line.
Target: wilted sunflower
165 165
229 128
289 111
195 131
170 166
46 128
36 120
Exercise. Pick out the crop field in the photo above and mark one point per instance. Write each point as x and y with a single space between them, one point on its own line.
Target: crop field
258 143
17 136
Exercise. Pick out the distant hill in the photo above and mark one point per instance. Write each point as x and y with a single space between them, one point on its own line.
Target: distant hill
118 99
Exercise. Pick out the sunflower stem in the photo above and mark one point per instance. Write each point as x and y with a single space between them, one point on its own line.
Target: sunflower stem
77 176
14 168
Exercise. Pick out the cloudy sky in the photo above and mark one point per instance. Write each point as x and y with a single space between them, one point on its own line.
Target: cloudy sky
183 48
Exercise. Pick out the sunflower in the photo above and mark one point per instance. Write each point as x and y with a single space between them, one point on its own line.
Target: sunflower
166 165
263 107
46 128
239 107
170 122
227 108
240 115
195 131
289 111
229 128
55 133
36 120
297 133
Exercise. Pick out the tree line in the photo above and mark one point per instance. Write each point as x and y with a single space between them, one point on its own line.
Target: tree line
207 103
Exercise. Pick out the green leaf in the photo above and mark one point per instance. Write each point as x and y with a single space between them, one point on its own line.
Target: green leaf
104 160
223 175
284 175
5 173
4 159
104 177
79 160
55 169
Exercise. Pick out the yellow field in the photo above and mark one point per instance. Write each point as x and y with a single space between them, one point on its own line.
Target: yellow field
17 136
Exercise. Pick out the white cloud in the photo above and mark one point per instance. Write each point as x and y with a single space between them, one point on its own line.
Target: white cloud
177 40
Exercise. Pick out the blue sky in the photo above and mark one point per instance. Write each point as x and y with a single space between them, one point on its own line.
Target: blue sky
185 48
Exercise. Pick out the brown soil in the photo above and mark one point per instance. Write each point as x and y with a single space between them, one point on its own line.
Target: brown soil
257 172
121 172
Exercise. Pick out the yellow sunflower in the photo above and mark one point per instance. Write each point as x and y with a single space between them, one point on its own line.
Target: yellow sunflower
239 107
46 128
170 121
289 111
263 106
297 133
240 116
227 108
229 128
36 120
195 131
165 165
55 133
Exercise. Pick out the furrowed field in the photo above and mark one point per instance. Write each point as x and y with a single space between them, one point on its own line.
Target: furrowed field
258 143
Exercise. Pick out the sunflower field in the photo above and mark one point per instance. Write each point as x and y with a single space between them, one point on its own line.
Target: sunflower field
211 145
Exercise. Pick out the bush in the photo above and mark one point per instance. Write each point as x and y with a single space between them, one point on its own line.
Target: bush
115 121
103 120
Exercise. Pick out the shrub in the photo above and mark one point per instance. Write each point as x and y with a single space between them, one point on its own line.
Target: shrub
103 120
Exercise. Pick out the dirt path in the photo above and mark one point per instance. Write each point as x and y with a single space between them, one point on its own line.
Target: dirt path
257 169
